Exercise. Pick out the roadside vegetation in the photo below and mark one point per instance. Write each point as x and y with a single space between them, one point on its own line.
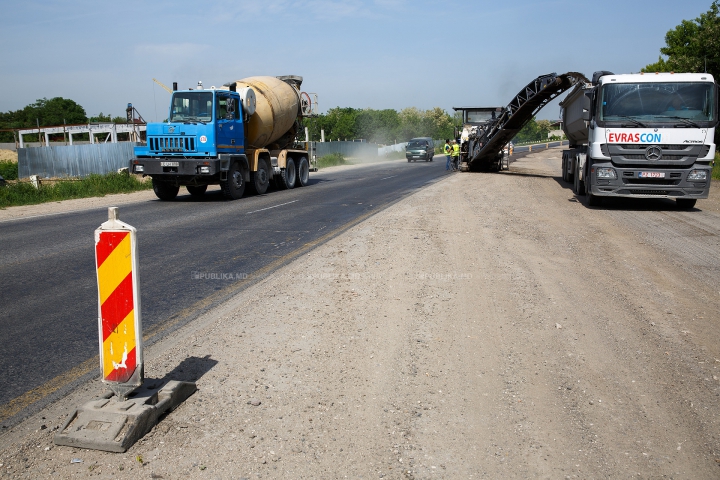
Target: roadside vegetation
8 170
24 193
332 160
384 127
716 167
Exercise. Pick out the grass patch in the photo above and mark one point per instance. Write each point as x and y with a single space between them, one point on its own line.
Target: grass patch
716 167
8 170
332 160
23 193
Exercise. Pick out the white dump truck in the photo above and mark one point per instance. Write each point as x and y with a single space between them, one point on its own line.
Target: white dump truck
641 135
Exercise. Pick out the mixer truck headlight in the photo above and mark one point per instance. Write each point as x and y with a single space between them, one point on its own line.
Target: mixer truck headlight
697 175
204 169
139 169
605 172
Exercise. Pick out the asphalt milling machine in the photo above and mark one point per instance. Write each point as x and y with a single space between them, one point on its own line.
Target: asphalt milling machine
487 130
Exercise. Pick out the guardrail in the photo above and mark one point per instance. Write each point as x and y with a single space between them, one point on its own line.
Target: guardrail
539 146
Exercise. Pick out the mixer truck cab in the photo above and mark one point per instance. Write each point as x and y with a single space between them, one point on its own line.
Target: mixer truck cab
227 137
642 136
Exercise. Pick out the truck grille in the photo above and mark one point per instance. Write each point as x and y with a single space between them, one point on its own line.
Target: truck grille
664 147
173 144
642 157
650 181
669 193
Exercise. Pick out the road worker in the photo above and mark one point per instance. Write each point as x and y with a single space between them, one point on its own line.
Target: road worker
455 155
448 151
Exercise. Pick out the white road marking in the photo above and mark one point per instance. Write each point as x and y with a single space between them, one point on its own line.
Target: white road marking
268 208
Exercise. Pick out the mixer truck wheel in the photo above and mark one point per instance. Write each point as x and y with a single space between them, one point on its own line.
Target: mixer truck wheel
164 190
196 190
261 178
288 175
303 172
234 187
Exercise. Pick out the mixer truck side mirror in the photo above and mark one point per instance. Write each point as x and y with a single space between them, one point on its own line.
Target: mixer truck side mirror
586 114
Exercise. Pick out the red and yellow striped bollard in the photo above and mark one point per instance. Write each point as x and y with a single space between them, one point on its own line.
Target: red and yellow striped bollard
120 328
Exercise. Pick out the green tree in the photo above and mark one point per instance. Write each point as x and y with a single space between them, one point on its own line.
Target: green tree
382 126
692 46
56 111
544 127
529 133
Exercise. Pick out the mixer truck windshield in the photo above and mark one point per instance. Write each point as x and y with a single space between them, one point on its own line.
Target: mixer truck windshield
685 103
189 107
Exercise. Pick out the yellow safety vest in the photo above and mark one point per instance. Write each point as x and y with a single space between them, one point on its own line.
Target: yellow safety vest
448 149
456 150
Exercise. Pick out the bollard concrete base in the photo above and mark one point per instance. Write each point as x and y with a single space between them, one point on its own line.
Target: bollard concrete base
113 425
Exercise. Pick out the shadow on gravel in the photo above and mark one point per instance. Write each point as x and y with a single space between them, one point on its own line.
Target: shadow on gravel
627 204
189 370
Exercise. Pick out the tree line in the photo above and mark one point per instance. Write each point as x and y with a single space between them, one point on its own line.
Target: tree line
48 112
381 126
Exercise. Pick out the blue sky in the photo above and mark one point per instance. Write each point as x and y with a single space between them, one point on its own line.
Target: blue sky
362 54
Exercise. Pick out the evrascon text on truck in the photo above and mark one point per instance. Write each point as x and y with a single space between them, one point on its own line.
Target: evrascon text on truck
242 133
641 135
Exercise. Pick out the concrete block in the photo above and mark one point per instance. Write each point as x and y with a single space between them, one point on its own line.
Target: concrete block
114 425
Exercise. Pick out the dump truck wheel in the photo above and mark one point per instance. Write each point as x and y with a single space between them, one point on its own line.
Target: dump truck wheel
686 203
303 172
234 187
196 190
164 190
288 175
580 185
261 178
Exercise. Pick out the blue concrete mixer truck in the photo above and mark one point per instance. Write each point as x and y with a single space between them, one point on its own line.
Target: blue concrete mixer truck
241 134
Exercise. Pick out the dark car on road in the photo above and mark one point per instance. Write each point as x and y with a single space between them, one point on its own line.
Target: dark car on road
420 149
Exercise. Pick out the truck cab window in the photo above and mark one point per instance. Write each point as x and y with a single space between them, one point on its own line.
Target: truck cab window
657 102
191 107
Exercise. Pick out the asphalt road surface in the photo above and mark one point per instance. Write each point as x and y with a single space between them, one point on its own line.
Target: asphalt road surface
194 254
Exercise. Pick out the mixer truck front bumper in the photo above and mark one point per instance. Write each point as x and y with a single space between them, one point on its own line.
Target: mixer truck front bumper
178 166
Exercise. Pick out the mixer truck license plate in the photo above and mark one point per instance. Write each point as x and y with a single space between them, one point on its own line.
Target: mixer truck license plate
651 174
169 164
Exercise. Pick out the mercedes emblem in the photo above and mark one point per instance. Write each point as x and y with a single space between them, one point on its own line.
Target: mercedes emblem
653 153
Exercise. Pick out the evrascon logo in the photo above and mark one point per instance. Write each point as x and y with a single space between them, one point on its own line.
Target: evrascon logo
634 137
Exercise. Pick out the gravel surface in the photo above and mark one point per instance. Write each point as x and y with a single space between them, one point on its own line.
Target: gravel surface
487 326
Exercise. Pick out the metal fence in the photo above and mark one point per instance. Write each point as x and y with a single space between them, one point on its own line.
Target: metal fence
74 160
348 149
398 147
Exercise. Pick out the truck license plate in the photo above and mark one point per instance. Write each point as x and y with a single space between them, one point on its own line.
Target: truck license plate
416 156
651 174
169 164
